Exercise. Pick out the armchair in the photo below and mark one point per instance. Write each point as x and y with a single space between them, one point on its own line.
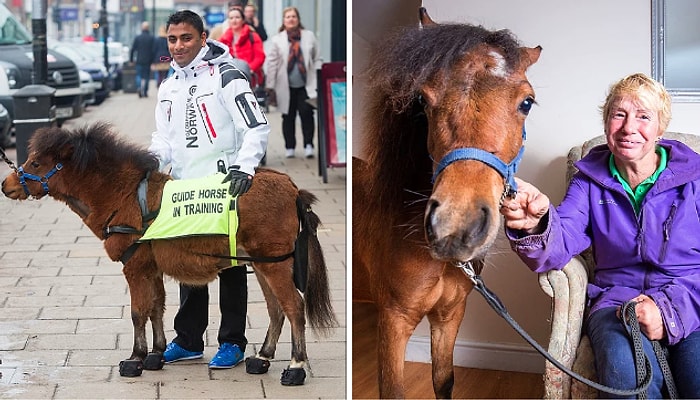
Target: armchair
567 288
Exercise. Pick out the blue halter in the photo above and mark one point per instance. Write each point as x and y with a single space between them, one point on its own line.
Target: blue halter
23 176
507 171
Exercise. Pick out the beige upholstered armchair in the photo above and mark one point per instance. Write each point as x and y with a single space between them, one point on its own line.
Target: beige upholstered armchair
567 288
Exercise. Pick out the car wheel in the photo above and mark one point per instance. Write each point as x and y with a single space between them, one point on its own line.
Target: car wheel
6 141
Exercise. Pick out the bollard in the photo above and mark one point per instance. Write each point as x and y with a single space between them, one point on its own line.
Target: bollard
129 78
34 108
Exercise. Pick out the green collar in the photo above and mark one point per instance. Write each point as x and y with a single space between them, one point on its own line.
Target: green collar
637 195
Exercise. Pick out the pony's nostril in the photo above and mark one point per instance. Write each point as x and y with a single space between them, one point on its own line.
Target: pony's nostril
430 219
480 225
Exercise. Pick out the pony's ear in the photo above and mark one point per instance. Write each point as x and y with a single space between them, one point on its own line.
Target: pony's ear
424 18
429 94
65 153
529 56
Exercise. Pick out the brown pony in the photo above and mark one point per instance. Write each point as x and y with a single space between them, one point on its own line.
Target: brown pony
98 175
433 90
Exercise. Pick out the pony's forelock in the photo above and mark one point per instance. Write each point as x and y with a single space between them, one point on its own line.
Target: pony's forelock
409 57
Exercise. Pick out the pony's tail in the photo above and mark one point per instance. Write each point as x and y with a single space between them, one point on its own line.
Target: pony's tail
319 310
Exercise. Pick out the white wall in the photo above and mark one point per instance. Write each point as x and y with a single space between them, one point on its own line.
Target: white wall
371 20
587 45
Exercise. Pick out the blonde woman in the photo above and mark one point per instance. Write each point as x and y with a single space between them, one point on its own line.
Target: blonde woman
635 200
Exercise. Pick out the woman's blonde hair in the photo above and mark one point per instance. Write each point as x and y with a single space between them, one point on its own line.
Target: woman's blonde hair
649 92
296 11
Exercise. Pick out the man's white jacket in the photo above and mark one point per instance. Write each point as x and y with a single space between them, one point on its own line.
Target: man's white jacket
207 118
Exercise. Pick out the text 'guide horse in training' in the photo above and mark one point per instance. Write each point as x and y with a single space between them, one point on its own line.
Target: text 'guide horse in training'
444 130
115 187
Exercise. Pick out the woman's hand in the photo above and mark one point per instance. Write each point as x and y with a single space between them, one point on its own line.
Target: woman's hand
525 211
649 316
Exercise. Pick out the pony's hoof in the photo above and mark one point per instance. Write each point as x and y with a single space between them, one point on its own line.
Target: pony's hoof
293 377
154 361
254 365
130 368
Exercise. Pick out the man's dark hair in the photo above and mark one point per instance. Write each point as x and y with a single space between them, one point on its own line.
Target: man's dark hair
186 17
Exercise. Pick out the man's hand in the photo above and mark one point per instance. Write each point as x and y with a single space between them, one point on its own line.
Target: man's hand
240 181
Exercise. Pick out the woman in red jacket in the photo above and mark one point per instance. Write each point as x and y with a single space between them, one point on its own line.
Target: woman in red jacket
245 44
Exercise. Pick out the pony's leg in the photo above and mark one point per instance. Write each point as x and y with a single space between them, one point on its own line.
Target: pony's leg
445 319
394 329
279 279
274 329
140 284
155 360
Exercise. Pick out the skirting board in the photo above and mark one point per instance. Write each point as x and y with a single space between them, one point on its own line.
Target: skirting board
502 357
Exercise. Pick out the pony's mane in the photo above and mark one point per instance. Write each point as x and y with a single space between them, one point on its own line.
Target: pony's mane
396 126
409 57
95 147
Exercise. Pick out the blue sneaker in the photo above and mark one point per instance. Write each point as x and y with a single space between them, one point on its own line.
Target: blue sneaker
228 356
173 352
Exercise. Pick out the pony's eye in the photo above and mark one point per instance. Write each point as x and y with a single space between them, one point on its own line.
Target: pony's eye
526 105
35 164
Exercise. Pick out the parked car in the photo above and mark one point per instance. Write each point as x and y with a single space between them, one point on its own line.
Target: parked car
101 80
118 55
87 88
5 119
17 61
5 125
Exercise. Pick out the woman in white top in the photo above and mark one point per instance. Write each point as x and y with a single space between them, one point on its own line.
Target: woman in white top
292 61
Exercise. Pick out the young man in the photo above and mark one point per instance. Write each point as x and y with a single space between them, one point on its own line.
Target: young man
207 120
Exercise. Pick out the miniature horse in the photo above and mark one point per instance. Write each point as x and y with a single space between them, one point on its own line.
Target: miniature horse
98 176
447 102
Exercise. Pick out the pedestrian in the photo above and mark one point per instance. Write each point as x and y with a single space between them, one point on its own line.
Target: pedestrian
244 44
161 56
292 61
142 48
251 18
236 4
207 121
635 200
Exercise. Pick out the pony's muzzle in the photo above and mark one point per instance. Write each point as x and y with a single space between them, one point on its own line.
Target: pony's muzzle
10 190
455 235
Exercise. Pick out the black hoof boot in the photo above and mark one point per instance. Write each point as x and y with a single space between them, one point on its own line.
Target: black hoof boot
130 368
154 361
254 365
293 377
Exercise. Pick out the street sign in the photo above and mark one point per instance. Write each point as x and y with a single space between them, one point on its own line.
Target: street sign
68 14
214 18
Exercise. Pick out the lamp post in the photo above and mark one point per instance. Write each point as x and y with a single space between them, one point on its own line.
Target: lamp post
41 67
105 33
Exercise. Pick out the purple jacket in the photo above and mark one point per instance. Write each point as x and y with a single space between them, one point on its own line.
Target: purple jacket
656 253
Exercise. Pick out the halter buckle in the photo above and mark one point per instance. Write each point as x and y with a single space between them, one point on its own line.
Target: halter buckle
468 269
